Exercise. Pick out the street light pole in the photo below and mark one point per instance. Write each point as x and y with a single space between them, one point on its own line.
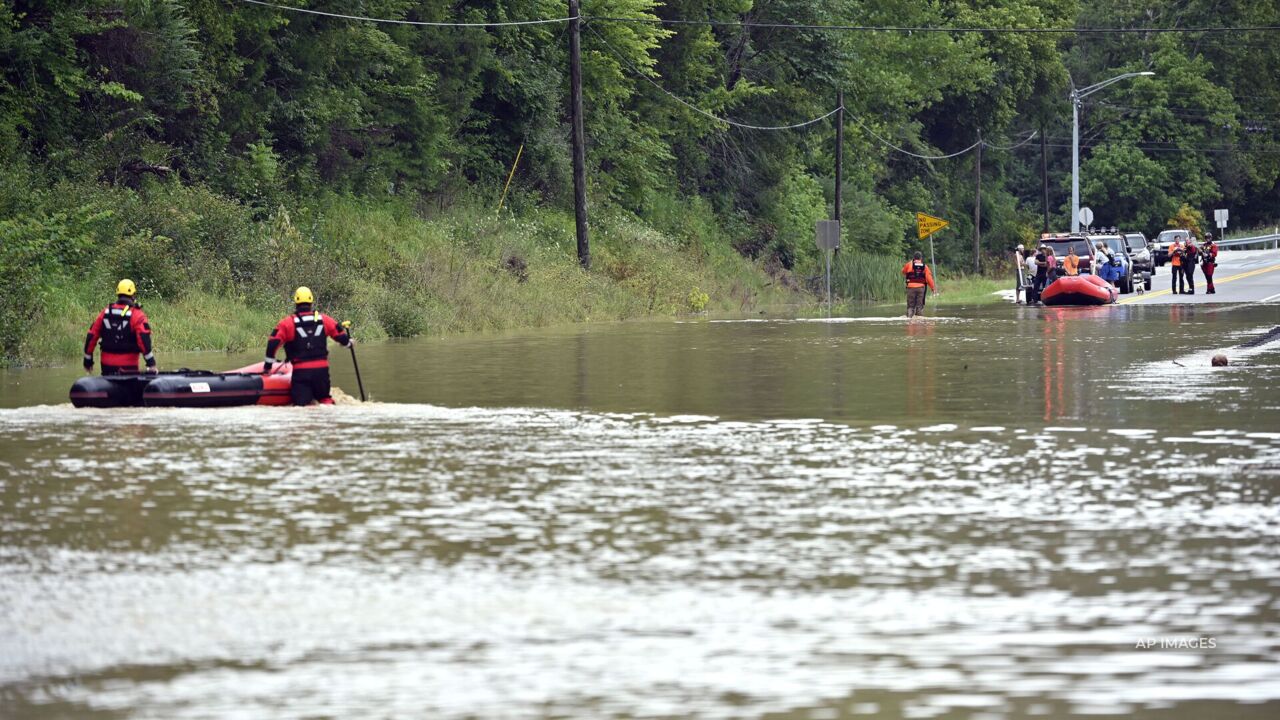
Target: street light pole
1075 161
1077 95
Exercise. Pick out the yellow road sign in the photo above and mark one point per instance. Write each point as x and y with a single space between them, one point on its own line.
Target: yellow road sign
927 225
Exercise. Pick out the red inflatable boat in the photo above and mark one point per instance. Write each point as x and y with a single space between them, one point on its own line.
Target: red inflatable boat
1079 290
186 388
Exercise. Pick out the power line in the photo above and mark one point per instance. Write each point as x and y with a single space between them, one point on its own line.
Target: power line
904 151
1029 138
906 29
1185 112
695 108
1189 150
408 22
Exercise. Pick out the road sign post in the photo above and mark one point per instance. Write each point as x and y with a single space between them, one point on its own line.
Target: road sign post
926 226
1086 218
1220 217
827 235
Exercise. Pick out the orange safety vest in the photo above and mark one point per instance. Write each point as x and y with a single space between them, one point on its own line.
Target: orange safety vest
918 276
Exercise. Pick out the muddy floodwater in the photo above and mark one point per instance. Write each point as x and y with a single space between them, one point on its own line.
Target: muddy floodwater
995 513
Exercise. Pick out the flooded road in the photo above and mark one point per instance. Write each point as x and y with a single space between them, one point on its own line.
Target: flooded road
994 513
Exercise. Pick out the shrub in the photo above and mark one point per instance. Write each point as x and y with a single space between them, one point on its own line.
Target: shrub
149 260
698 300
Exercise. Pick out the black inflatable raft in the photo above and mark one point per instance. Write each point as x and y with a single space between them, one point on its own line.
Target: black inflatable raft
184 388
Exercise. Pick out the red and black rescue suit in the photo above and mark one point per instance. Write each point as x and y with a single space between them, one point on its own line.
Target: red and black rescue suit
305 335
1209 263
125 333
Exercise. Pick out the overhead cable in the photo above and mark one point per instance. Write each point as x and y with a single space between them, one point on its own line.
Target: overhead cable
1028 139
906 29
1198 150
904 151
700 111
408 22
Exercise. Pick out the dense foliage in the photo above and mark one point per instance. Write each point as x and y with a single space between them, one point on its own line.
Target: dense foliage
264 109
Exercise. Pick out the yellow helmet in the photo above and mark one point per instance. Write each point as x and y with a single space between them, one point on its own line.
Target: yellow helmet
126 287
302 295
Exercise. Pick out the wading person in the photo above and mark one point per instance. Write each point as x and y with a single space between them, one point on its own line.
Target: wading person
1177 284
124 332
1190 256
1054 271
1209 262
305 336
918 276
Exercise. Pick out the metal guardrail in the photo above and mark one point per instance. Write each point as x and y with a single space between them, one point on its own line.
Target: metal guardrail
1272 239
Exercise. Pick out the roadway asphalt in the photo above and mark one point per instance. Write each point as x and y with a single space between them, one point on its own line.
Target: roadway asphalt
1242 276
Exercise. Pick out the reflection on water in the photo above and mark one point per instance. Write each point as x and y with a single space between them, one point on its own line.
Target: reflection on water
985 516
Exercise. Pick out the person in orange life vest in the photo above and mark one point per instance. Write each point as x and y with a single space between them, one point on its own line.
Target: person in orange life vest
305 336
918 275
124 332
1209 261
1178 285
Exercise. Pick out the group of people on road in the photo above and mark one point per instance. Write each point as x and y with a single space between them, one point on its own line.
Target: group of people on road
124 333
1184 255
1038 270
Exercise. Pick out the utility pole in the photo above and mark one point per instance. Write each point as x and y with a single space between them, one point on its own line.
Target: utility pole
1077 96
839 155
977 209
579 149
1044 175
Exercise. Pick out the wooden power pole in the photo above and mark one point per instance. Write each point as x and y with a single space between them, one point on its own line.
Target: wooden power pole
579 148
839 157
977 209
1044 176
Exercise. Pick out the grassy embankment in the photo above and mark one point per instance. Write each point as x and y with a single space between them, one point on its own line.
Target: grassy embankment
216 275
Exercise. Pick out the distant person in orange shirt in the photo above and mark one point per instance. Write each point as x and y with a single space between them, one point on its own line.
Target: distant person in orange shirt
1178 285
918 276
1071 264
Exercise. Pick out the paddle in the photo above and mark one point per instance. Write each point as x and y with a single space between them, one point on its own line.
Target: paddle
346 325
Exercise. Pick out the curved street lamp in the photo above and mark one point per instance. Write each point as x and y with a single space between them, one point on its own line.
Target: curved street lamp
1078 94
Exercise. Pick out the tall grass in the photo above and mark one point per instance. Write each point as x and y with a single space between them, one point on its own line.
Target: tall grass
863 277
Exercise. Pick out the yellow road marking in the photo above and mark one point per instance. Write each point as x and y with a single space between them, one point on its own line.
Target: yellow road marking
1216 281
